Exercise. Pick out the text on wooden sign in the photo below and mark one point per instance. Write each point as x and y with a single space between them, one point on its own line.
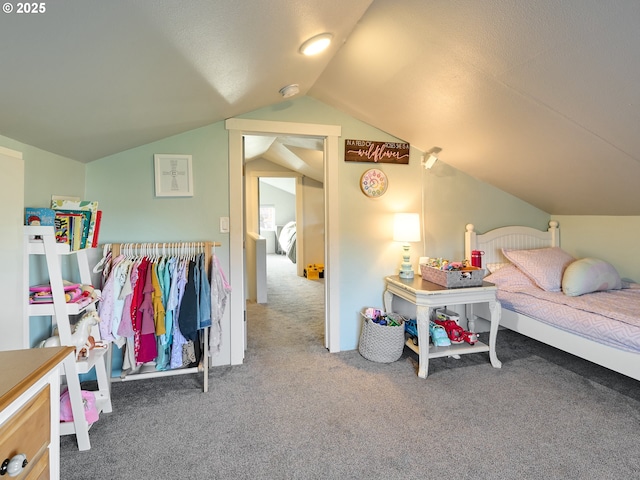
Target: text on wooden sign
377 152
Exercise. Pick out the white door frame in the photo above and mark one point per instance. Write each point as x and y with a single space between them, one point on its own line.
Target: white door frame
238 127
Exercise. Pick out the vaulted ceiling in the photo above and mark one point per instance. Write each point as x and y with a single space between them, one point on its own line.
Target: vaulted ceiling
540 99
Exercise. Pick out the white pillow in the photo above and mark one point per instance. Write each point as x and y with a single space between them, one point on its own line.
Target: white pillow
589 275
544 266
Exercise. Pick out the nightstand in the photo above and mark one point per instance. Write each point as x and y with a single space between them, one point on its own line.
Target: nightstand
427 296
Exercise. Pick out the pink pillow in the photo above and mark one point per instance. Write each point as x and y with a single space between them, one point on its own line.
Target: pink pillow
545 266
511 279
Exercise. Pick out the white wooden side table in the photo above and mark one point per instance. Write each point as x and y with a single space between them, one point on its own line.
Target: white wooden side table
427 296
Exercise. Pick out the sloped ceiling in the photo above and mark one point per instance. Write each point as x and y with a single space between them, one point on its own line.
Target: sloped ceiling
540 99
300 154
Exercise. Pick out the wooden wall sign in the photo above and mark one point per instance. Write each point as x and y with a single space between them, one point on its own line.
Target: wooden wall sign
376 152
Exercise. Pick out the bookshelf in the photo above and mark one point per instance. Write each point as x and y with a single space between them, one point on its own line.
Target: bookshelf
41 241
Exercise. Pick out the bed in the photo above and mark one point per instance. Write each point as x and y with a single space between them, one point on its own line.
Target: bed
287 240
546 295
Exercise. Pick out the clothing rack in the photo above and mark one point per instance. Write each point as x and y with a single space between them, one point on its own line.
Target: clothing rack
157 250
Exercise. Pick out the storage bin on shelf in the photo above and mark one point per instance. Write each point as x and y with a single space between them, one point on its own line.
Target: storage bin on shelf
378 342
469 277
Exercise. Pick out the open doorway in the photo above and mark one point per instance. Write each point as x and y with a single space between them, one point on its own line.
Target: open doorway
329 134
284 208
277 203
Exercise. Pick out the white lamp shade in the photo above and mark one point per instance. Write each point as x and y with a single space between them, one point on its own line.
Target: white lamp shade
406 227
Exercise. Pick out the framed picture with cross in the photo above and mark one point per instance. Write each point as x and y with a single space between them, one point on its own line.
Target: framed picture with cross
173 175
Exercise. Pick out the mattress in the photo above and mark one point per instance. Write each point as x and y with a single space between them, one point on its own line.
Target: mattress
611 318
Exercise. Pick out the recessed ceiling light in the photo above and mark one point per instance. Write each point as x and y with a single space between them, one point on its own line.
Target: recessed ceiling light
316 44
290 90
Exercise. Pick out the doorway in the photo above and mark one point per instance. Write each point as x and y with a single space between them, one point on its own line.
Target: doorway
238 129
278 220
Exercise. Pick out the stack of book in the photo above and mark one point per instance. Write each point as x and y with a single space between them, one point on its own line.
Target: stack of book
76 222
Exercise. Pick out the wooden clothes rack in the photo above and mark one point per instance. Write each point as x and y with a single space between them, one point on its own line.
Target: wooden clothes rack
180 249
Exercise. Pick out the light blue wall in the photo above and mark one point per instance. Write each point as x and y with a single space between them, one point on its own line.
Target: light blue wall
123 184
453 199
47 174
610 238
284 202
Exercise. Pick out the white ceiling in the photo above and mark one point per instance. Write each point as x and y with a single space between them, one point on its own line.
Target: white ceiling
540 99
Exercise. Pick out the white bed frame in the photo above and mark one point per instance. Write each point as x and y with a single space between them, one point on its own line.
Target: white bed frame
491 243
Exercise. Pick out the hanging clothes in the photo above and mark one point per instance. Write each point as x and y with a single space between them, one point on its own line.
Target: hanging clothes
220 290
204 287
106 305
156 299
179 340
148 349
125 329
158 305
189 307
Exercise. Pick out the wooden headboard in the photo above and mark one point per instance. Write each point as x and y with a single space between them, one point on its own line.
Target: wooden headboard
515 237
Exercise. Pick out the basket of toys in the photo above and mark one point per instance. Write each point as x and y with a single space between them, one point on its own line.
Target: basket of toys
382 337
451 274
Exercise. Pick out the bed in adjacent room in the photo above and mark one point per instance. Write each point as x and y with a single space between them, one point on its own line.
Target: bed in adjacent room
287 240
580 306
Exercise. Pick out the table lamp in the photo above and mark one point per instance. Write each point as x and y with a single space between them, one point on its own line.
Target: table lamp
406 228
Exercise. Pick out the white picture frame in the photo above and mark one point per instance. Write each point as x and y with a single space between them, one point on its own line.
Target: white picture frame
173 175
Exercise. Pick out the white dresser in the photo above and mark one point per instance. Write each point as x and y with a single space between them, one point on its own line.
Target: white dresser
30 412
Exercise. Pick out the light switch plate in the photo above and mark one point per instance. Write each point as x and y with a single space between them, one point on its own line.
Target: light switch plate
224 224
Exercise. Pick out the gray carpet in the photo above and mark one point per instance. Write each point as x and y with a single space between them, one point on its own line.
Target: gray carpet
294 411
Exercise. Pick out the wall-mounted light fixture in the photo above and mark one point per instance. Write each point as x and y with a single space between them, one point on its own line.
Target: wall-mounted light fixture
406 228
431 157
316 44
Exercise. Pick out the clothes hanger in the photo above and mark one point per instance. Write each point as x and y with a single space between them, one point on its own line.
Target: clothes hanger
106 253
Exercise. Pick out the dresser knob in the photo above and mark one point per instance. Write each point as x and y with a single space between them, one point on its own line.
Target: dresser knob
14 466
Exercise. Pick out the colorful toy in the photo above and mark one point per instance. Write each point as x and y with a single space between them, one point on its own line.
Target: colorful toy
438 335
456 333
80 337
411 328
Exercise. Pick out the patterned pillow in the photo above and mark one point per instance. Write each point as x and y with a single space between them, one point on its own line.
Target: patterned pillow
545 266
590 275
510 278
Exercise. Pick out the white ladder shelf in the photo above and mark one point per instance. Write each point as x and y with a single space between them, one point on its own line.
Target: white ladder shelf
40 240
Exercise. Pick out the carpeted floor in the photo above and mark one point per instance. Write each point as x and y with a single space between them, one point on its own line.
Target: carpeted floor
294 411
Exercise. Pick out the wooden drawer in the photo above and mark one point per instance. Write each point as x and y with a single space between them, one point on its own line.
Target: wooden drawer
28 432
39 470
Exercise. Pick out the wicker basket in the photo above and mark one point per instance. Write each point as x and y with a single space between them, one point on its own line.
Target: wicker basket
381 343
